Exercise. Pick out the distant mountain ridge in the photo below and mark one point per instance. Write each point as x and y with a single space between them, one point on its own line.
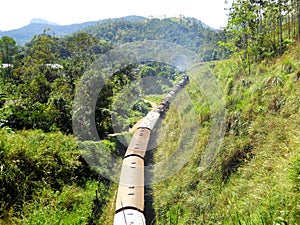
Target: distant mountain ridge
42 21
38 26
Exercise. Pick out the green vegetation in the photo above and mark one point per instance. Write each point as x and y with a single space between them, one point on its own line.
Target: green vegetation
188 32
44 179
259 29
255 177
25 34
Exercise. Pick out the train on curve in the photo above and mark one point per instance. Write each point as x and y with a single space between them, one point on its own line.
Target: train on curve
130 197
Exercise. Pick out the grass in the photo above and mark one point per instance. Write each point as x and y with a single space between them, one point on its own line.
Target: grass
255 177
70 206
44 180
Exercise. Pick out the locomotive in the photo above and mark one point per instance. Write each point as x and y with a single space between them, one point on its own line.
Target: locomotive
130 197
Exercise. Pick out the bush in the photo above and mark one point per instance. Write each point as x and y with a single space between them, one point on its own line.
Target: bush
32 161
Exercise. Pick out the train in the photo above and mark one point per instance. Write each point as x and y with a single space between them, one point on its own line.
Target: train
130 196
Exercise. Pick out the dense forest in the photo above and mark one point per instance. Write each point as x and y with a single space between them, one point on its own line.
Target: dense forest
44 179
38 92
188 32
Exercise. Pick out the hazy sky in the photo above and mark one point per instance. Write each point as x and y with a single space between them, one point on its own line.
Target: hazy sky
17 13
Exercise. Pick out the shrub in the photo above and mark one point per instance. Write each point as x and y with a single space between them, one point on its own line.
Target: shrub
32 161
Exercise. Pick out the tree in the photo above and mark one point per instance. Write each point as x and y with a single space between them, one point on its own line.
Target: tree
259 28
241 30
8 51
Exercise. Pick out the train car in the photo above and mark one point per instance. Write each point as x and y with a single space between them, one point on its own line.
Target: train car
131 188
137 145
129 216
130 197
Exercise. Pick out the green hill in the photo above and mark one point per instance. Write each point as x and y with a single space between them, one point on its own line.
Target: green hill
254 179
188 32
24 34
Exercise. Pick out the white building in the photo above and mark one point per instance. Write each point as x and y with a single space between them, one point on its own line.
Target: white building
6 65
54 66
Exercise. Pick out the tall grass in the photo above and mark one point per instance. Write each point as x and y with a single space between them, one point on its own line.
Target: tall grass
255 177
44 180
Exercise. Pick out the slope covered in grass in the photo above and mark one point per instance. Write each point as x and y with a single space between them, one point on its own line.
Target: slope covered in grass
254 178
45 180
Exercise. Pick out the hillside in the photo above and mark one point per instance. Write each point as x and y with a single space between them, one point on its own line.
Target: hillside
45 175
254 179
37 26
188 32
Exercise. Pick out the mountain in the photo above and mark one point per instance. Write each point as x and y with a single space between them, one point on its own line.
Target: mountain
186 31
39 26
41 21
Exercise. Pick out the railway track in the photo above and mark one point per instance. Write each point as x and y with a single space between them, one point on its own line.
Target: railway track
130 197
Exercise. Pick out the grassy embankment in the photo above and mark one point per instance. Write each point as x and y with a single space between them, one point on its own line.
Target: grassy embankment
254 179
45 180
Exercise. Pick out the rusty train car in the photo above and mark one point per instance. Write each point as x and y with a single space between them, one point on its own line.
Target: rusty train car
130 197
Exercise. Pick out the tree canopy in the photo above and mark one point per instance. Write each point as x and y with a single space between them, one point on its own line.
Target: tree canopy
258 29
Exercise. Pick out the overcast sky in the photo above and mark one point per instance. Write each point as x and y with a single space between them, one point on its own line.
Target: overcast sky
18 13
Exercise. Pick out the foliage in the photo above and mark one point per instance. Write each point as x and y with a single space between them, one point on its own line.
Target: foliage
255 177
39 95
259 29
44 179
188 32
71 205
9 55
32 160
25 34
